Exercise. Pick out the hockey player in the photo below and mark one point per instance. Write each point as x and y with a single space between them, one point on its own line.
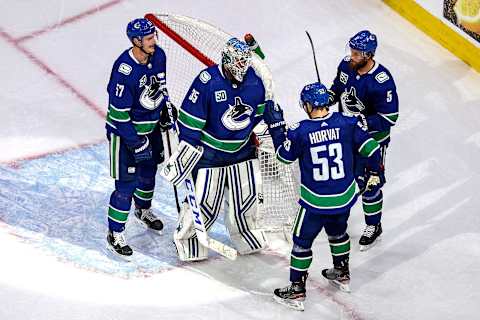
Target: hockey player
216 121
325 145
137 109
365 87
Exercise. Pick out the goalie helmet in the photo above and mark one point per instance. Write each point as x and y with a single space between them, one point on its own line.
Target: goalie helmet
139 28
236 58
316 94
364 41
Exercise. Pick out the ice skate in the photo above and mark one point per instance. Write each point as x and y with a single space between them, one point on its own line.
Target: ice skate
371 235
116 243
148 219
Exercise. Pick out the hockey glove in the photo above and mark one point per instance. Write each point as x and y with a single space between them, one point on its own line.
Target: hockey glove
363 122
375 180
168 116
273 115
142 151
331 97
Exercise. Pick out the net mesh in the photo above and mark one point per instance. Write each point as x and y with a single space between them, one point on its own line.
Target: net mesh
279 194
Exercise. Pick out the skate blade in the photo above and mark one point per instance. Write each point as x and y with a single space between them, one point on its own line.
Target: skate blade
292 304
118 255
144 224
345 287
369 246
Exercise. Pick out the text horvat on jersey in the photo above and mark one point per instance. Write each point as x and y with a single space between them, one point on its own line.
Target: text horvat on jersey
324 135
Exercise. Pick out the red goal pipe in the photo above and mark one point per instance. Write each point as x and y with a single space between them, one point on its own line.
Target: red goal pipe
180 40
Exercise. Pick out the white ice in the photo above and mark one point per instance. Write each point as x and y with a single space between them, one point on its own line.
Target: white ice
53 206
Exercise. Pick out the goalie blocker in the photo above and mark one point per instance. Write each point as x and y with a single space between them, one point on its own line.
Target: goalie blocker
181 163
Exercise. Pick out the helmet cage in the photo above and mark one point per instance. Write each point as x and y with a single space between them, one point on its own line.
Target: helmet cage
236 58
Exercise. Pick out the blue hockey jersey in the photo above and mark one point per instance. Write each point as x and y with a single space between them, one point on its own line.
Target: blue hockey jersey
135 95
373 94
326 148
220 116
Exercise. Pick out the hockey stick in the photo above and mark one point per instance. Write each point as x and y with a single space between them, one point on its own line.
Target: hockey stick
175 191
200 230
314 58
169 147
199 224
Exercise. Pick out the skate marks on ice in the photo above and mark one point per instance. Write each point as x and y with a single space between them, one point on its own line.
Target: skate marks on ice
58 204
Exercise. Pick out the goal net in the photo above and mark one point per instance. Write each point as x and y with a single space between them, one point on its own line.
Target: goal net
190 46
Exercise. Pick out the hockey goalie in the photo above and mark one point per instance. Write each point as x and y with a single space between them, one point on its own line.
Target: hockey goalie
215 124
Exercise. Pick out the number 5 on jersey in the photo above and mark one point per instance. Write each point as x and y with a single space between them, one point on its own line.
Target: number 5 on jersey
326 172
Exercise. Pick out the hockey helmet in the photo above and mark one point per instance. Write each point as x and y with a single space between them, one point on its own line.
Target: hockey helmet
364 41
316 94
139 28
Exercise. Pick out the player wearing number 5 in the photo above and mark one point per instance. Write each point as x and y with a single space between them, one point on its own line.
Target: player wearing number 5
365 88
326 146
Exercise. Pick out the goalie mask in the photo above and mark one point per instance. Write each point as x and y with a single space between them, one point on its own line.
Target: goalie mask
236 58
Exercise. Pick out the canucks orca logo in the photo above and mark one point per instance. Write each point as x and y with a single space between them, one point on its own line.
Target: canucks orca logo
351 103
152 95
237 117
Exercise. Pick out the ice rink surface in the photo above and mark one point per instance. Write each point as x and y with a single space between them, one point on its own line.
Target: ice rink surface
54 183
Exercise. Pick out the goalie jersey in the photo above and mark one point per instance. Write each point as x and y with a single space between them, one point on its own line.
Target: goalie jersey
135 95
373 94
220 116
326 148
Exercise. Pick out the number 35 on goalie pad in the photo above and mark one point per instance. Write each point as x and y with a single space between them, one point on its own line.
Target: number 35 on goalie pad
181 163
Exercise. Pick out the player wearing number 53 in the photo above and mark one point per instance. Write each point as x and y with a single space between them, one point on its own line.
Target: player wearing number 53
326 146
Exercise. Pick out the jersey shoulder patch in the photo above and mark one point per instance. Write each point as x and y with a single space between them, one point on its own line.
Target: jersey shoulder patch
382 77
293 126
124 68
347 59
204 76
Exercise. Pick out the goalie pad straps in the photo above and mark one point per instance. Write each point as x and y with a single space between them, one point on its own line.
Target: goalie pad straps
244 181
181 163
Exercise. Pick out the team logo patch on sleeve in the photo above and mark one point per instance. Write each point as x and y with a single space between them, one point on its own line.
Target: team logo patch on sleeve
125 69
382 77
205 76
293 126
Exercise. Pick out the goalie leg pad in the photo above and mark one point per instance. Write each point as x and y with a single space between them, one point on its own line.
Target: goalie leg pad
190 250
240 217
181 163
209 191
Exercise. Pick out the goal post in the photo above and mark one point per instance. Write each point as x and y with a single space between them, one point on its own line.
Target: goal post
190 46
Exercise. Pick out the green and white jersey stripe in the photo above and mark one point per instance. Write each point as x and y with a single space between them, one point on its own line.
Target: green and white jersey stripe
368 147
380 136
390 117
190 121
114 156
144 127
118 114
332 201
229 146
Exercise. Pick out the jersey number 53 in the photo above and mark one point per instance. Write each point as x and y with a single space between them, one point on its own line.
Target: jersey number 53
325 171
